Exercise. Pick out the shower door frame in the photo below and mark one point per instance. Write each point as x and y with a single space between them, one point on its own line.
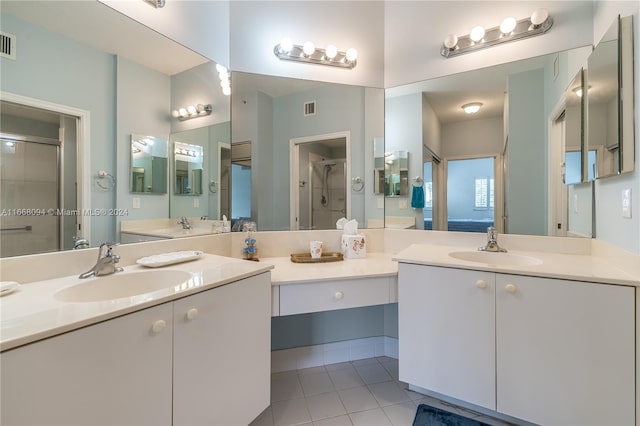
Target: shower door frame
83 170
294 173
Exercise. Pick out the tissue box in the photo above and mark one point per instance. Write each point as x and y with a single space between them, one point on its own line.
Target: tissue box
354 246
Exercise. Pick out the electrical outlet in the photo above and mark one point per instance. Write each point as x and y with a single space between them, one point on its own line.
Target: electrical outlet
136 202
626 203
381 203
196 203
402 204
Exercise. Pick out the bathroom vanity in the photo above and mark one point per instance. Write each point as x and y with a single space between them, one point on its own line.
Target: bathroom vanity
550 342
197 352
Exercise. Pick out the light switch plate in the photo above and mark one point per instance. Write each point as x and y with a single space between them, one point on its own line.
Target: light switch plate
575 203
626 203
402 204
381 203
196 203
136 202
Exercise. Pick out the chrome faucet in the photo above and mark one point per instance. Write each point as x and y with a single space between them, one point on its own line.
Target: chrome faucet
106 263
184 222
492 241
80 243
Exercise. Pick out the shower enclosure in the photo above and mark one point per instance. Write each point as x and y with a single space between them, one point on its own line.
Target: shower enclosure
30 195
327 199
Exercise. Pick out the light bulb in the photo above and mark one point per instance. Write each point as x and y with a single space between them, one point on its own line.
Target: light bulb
199 108
539 17
308 48
451 41
476 33
175 113
224 83
191 109
286 45
508 25
221 69
223 76
331 51
226 91
182 112
352 54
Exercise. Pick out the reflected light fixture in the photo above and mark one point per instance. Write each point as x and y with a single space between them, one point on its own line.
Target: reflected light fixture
156 3
510 29
199 110
225 82
578 90
472 108
308 53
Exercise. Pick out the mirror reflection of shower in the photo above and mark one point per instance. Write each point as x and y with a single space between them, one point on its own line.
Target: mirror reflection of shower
327 200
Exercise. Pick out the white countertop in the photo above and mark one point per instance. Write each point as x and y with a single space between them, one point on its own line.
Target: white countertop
373 265
32 312
175 232
575 267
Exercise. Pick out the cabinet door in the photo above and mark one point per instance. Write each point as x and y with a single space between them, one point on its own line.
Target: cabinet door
114 373
565 351
447 331
222 354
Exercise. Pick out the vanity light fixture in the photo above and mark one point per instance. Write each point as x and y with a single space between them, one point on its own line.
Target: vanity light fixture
225 81
158 4
509 30
191 111
578 90
472 108
308 53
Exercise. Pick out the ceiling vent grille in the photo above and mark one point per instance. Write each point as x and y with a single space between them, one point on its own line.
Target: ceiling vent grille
309 108
7 46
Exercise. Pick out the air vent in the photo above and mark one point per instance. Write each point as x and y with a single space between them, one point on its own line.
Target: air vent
7 46
309 108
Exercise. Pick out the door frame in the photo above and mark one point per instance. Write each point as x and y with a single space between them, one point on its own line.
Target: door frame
294 173
83 169
498 189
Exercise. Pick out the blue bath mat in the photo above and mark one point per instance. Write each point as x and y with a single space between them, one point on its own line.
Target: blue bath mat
430 416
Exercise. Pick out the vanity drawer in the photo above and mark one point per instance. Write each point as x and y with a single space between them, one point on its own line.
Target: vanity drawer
330 295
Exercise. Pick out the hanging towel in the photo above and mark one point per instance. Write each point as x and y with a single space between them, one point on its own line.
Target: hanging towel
417 197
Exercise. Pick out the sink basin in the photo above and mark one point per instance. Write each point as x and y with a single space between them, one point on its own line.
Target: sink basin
121 285
498 259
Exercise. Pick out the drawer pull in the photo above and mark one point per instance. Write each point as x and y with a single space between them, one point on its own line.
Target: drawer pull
158 326
511 288
481 284
192 314
339 295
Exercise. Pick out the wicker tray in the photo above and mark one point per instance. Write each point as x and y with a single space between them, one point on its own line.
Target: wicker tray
332 256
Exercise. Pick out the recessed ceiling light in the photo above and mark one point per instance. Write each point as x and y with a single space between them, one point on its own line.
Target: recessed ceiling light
472 108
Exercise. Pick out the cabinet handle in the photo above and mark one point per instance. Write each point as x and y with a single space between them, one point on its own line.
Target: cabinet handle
192 314
339 295
481 284
511 288
158 326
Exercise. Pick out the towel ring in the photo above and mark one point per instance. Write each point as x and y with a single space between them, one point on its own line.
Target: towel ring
357 184
110 178
213 186
418 181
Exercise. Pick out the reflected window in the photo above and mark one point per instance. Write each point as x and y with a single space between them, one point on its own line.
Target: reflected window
470 194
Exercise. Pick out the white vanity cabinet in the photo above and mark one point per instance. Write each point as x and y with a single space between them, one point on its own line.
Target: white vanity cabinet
202 359
446 332
562 351
565 351
222 354
117 372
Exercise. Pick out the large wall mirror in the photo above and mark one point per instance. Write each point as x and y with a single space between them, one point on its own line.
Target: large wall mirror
149 164
490 167
610 122
303 152
126 82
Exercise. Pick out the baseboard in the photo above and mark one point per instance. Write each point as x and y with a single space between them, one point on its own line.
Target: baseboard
332 353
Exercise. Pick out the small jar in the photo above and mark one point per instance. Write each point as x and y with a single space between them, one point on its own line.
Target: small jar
250 250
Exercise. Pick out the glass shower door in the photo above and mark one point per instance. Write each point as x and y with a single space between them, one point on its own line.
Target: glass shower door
29 197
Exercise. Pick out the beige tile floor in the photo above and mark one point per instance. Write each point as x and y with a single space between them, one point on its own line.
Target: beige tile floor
364 392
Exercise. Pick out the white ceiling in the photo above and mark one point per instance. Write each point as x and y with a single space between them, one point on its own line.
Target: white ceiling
446 95
103 28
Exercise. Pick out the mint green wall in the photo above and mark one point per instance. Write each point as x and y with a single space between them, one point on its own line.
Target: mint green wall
70 64
526 195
